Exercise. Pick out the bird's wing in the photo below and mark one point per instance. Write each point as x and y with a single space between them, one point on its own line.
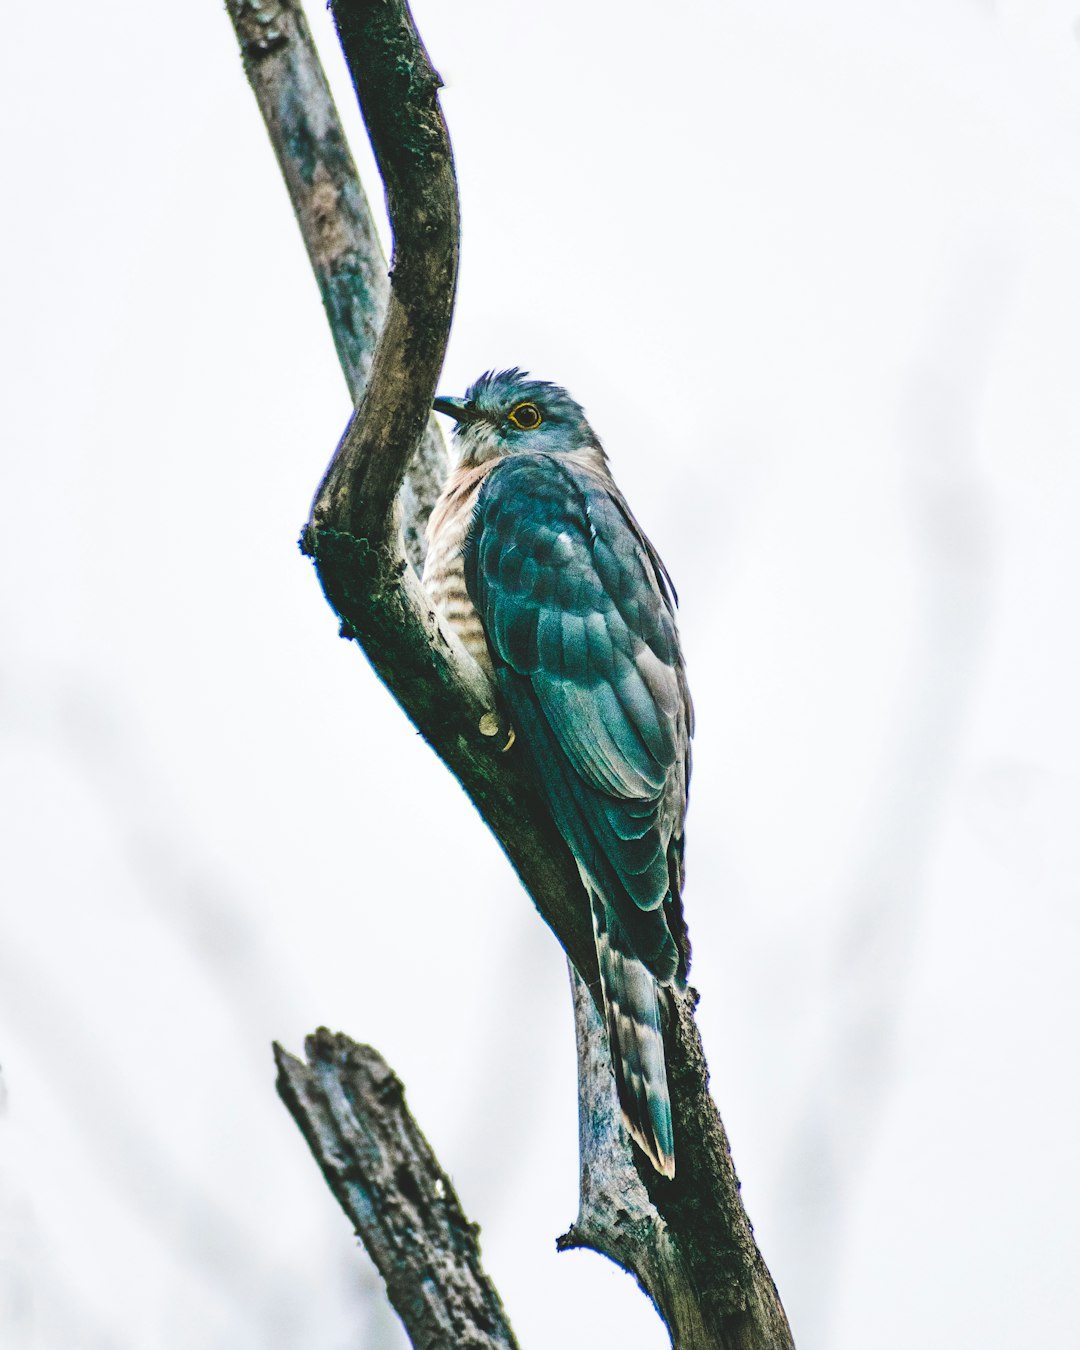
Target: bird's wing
578 616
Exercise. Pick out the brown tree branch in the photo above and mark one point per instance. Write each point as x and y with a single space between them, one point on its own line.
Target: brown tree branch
333 214
397 87
616 1217
351 1108
352 537
697 1257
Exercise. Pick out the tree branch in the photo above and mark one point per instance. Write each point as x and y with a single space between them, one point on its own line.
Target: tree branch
351 1109
333 214
351 533
693 1251
670 1234
397 87
616 1217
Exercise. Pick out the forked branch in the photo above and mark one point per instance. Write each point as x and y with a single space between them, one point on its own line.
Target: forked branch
690 1245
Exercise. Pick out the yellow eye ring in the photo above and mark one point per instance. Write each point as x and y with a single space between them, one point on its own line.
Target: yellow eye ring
526 417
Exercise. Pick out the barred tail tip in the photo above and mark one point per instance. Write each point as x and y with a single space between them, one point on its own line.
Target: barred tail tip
661 1157
636 1042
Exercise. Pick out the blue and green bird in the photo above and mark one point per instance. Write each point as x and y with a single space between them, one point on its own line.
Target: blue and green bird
537 562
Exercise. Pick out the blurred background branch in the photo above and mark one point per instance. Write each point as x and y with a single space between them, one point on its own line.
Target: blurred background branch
882 907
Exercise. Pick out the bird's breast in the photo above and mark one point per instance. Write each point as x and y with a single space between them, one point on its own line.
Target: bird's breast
444 568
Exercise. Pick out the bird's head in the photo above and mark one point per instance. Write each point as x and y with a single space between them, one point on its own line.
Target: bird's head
505 413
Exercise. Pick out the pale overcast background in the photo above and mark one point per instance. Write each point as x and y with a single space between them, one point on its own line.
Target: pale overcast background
814 270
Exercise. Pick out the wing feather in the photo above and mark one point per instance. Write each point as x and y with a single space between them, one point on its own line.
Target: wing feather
579 617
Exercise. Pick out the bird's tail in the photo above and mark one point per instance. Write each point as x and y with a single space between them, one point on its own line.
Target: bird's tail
637 1046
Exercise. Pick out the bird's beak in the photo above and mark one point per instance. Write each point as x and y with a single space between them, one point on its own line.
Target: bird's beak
456 408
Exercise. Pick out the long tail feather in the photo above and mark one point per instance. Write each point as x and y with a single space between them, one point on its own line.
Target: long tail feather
637 1046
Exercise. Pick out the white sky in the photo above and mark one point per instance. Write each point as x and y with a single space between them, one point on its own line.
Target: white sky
814 271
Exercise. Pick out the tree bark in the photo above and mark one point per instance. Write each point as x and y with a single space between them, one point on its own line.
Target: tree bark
351 1109
688 1241
335 219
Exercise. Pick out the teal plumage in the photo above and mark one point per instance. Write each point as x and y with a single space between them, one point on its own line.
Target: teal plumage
578 617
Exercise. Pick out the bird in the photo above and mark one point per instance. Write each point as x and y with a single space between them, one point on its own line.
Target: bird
537 563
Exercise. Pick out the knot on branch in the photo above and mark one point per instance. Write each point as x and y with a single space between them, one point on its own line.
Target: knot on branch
260 25
349 568
326 223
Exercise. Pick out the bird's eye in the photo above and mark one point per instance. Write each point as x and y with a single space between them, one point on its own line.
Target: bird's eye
525 416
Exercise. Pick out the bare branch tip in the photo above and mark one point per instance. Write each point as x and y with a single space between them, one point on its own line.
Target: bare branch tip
569 1241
